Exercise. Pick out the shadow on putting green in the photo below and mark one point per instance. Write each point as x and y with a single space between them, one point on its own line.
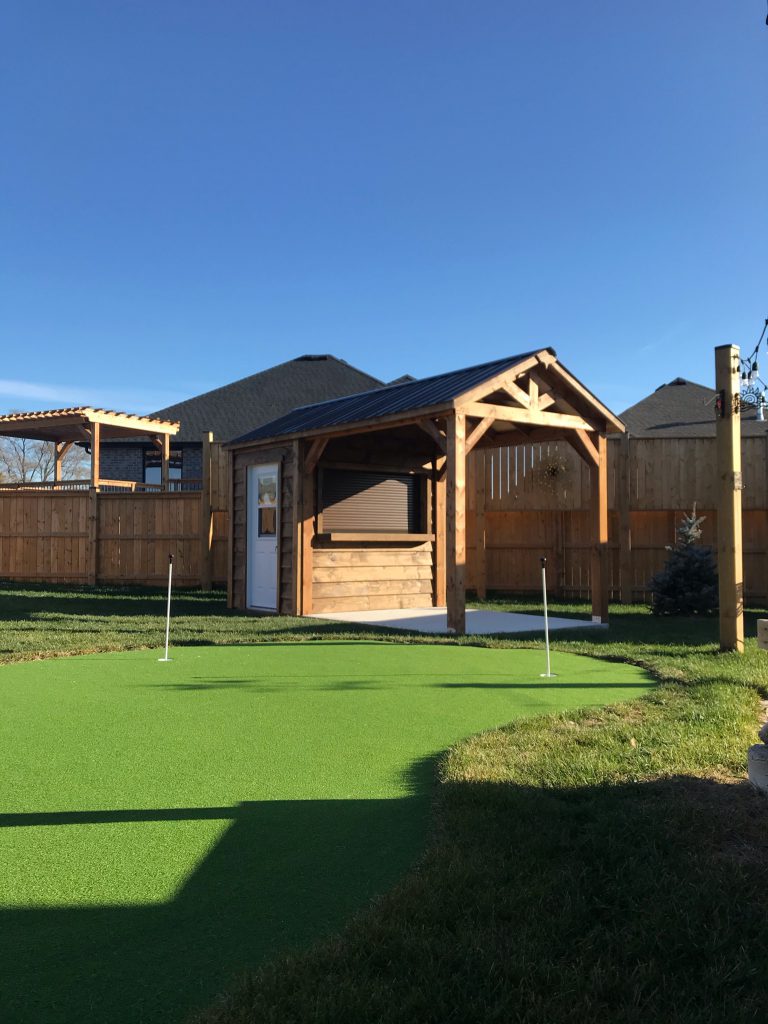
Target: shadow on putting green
283 873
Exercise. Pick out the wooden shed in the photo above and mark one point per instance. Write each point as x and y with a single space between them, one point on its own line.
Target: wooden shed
359 503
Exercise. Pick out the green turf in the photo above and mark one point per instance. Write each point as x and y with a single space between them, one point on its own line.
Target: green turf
167 825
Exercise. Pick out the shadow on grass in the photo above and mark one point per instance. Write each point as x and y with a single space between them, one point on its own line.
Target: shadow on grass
283 873
630 902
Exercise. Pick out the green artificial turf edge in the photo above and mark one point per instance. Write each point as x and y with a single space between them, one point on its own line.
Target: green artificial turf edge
616 877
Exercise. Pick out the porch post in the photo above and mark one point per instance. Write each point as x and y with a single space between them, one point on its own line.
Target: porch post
456 500
600 564
95 453
165 454
57 452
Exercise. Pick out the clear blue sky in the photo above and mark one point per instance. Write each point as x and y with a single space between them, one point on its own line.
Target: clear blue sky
192 191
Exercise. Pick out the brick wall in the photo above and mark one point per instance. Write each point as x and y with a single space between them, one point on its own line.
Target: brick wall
122 462
126 462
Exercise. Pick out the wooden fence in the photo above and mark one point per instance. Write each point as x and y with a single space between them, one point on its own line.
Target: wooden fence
522 503
111 536
533 500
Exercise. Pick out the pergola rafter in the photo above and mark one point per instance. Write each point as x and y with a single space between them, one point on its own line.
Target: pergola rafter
88 426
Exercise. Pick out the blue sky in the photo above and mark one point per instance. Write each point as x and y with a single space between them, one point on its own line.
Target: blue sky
193 191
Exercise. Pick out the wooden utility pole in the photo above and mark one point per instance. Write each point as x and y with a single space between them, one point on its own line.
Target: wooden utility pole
729 550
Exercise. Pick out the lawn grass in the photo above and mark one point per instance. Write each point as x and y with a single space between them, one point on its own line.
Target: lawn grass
605 865
166 826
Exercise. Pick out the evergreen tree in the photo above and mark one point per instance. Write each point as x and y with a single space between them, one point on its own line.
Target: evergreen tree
687 585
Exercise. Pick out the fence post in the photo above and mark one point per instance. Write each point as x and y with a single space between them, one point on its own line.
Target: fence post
93 536
623 498
206 519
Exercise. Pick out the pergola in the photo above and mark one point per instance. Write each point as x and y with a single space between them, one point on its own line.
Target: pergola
84 425
438 421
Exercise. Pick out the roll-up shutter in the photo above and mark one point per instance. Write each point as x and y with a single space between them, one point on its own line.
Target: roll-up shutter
355 501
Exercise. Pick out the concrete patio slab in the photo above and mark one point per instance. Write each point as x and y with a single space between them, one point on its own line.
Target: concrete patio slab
435 620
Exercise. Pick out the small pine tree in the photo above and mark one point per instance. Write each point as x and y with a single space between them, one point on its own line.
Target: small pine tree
687 585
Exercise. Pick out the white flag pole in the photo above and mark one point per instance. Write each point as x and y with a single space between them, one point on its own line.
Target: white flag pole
548 674
168 609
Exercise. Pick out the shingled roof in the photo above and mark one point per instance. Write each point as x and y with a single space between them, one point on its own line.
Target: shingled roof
682 408
230 410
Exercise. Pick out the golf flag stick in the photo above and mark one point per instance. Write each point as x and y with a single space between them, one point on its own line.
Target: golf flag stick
548 674
168 610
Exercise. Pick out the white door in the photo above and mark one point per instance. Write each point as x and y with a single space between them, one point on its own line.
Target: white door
263 534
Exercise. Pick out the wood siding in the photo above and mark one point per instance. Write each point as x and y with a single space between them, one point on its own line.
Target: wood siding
367 575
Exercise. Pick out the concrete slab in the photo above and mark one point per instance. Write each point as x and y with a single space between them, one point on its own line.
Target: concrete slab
435 620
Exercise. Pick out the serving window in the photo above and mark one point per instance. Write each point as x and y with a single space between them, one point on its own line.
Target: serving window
355 501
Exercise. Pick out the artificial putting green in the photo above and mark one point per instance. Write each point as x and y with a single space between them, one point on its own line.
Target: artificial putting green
166 825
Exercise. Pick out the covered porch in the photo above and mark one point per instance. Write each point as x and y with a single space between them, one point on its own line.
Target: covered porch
373 503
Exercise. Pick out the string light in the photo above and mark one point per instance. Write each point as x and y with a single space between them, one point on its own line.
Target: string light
753 388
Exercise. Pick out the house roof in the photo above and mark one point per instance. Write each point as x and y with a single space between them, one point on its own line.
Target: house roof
230 410
389 401
682 408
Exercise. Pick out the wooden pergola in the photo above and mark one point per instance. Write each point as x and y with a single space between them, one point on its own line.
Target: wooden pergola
88 426
437 422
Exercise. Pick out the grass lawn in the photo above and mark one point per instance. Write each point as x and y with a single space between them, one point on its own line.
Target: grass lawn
602 865
166 826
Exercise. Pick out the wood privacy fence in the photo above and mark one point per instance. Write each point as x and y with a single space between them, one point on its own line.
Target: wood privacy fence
533 500
522 503
95 536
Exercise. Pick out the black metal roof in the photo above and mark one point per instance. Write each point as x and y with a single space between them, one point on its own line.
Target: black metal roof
394 398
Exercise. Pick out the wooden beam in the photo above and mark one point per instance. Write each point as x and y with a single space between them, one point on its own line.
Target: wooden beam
165 456
95 453
516 393
432 430
583 444
230 529
307 534
623 503
298 531
481 561
456 542
600 567
730 567
572 390
507 414
505 379
206 518
438 487
533 392
480 430
315 454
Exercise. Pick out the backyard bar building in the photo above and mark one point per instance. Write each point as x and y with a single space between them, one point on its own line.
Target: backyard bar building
359 503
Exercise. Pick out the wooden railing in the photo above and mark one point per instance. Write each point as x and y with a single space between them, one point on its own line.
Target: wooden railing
107 486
